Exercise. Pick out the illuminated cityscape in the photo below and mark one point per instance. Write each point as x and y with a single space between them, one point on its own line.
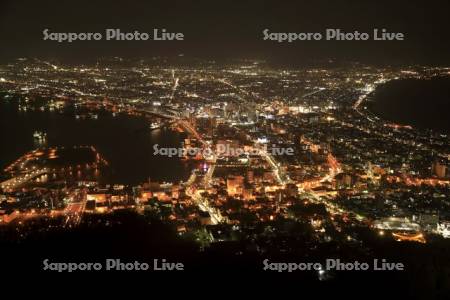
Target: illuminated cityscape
236 140
348 168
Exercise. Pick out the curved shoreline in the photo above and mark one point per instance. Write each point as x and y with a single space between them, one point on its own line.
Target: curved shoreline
110 138
406 105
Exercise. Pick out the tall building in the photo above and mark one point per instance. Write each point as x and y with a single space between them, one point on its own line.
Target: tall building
250 176
235 185
439 169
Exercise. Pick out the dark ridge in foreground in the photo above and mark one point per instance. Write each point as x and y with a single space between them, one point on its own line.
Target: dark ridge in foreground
131 237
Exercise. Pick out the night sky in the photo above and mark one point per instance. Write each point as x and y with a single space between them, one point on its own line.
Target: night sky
229 29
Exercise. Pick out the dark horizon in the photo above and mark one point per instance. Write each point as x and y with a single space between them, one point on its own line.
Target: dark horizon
230 30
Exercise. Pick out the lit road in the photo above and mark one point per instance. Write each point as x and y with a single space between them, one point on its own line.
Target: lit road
276 168
17 181
75 209
202 203
208 175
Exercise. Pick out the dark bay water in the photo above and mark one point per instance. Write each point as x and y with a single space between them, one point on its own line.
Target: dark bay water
125 141
423 104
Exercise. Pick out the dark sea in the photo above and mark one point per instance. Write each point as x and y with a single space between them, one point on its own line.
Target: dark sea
126 142
423 104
